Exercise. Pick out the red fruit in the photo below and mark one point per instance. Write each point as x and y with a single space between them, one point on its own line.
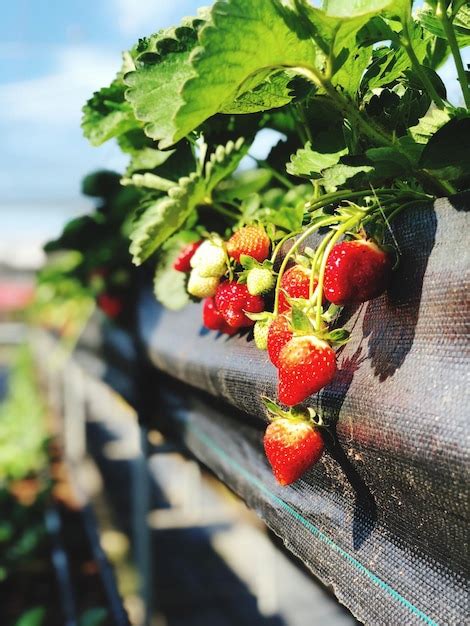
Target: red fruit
112 306
296 284
356 271
213 319
232 299
280 332
292 446
183 260
306 365
250 240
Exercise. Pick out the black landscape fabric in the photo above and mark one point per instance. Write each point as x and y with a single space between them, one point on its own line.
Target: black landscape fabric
383 518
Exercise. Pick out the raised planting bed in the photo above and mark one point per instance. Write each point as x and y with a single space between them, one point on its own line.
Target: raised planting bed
383 516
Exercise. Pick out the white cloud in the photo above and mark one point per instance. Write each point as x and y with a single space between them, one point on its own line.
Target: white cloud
57 98
43 152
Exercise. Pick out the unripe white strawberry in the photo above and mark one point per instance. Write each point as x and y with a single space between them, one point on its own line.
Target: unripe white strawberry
202 286
259 281
210 259
260 333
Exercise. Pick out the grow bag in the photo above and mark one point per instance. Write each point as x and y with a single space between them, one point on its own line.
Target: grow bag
383 517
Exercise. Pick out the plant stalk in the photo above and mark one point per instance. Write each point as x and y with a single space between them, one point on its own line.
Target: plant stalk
454 47
311 229
423 77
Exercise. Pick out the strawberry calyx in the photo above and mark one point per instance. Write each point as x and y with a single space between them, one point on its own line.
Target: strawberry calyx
304 324
308 415
258 277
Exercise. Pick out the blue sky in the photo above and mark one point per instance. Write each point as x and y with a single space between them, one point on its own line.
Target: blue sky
53 55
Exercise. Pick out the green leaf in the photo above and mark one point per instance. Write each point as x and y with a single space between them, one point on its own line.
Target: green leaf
339 336
388 162
273 409
101 184
165 216
243 184
349 77
107 114
148 180
461 24
419 135
78 234
242 46
353 8
169 285
32 617
96 616
176 91
300 321
163 67
447 154
271 94
308 162
144 154
335 176
223 161
387 65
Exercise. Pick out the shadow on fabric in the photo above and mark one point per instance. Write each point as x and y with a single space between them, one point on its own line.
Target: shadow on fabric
390 321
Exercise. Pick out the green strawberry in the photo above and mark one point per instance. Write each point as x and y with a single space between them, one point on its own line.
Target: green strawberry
259 280
260 332
202 286
210 259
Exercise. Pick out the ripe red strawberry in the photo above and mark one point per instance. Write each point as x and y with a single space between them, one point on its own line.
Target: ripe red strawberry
280 332
111 306
232 299
183 260
292 446
250 240
296 284
213 319
356 271
306 365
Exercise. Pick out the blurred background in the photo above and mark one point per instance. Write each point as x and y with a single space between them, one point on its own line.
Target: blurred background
53 570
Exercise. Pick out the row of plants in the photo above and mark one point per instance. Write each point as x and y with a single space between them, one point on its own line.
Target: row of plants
89 265
31 481
25 482
282 244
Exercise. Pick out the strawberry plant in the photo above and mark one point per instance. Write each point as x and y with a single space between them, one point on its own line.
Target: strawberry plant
366 132
90 259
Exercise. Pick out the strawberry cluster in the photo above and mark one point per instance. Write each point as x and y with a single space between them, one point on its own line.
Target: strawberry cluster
235 277
212 265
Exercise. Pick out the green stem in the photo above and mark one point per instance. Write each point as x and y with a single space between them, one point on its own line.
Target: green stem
440 186
337 196
311 229
303 119
418 68
282 179
225 212
316 258
368 128
454 47
281 243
